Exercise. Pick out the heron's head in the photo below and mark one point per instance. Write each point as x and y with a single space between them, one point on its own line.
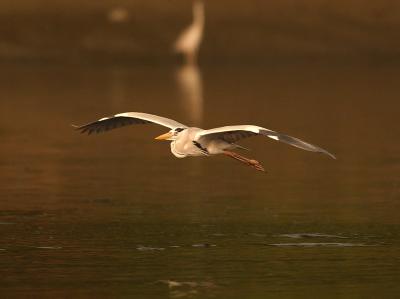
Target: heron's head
171 135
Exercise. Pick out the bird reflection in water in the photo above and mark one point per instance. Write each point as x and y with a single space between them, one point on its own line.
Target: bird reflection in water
190 86
189 289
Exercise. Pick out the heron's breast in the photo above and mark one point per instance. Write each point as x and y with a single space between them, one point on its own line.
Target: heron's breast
216 146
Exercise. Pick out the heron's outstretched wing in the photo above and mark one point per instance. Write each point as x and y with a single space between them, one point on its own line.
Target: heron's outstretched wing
127 118
232 134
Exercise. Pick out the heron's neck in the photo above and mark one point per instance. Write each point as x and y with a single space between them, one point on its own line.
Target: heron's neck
175 151
198 13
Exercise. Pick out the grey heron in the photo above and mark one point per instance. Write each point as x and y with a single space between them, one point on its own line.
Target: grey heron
189 40
191 141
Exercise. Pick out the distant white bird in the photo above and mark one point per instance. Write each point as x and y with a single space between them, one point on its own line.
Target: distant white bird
191 141
189 41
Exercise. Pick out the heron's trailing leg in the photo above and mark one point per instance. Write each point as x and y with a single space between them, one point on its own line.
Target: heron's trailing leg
250 162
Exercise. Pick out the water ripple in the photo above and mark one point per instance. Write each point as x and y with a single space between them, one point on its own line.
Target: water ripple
320 244
311 235
148 248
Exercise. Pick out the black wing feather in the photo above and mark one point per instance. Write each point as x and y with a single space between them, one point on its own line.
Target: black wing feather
111 123
296 142
234 136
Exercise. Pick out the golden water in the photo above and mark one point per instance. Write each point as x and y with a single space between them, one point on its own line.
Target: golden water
116 215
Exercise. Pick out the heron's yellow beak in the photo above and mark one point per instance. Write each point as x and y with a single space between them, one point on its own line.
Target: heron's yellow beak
164 136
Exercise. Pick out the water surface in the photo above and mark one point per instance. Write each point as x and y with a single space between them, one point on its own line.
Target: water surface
116 215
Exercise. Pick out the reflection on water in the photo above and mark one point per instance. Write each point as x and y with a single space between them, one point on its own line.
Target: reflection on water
147 248
187 289
322 244
116 215
190 86
312 235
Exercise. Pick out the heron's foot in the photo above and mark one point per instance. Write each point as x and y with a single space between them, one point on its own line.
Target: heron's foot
257 165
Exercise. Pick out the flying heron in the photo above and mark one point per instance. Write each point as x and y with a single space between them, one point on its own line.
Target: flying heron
189 40
192 141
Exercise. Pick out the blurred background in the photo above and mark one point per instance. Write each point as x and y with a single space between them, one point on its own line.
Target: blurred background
115 215
131 31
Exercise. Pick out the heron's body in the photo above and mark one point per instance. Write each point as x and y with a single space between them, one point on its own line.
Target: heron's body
191 141
181 148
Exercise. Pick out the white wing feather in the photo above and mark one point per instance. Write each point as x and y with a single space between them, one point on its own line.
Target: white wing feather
232 134
127 118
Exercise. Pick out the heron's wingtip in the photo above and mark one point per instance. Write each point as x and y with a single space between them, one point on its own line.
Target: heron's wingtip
78 128
330 155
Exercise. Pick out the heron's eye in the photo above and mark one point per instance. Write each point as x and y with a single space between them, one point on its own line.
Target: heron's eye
177 130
